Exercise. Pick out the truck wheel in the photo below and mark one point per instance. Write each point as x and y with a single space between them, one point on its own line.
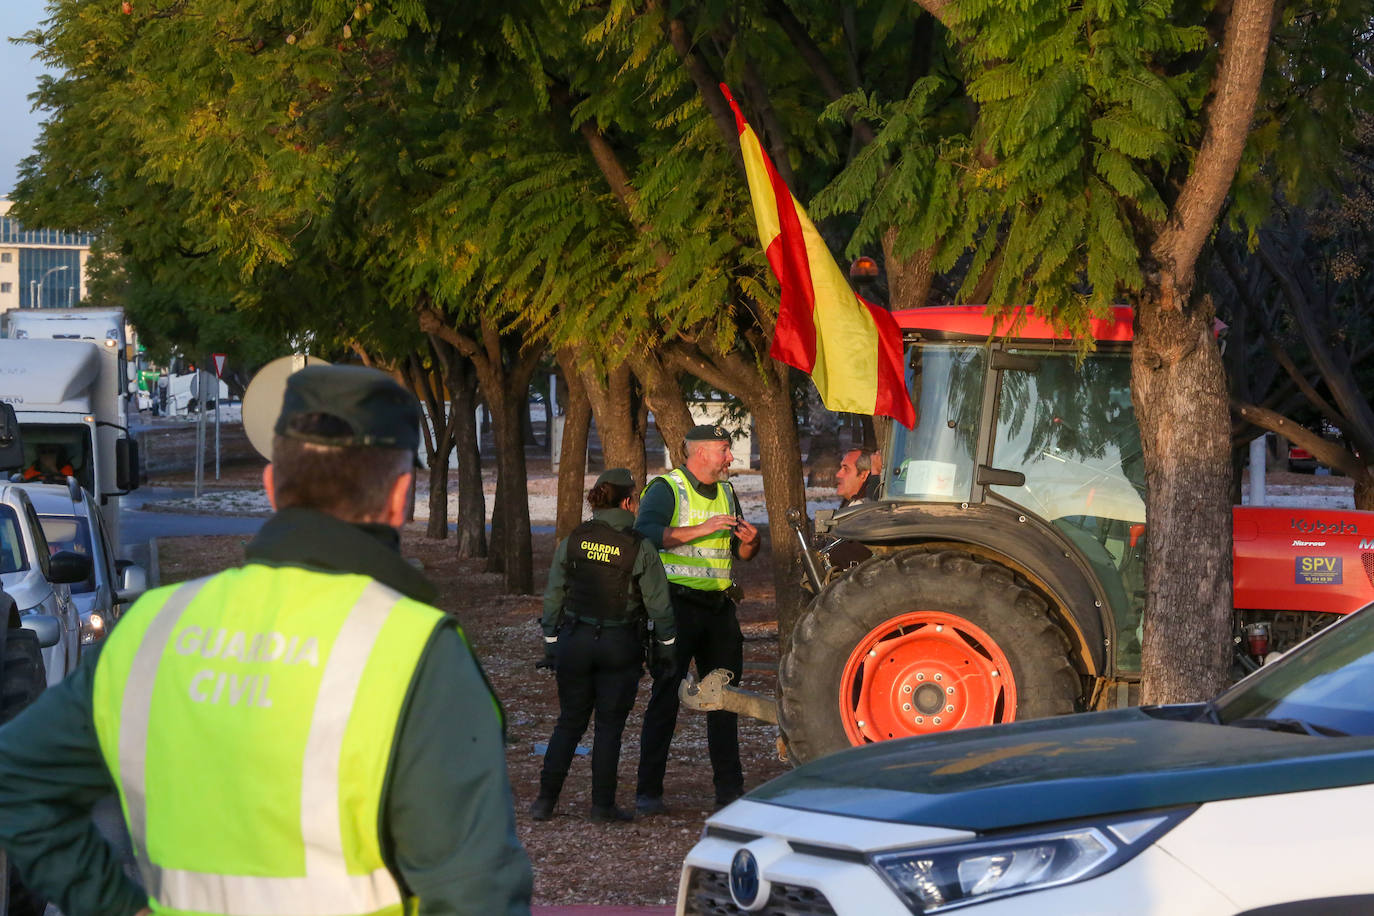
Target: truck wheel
22 679
916 643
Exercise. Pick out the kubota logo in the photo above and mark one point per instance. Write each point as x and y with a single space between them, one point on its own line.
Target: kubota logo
1307 526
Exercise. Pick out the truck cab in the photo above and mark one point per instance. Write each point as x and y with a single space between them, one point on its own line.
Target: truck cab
65 378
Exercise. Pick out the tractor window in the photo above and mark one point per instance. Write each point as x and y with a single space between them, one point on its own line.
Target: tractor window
934 462
1071 430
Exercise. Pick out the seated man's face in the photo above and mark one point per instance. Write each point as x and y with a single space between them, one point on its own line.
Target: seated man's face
47 459
849 479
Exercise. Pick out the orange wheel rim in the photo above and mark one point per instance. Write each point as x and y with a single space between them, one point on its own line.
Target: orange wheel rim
921 673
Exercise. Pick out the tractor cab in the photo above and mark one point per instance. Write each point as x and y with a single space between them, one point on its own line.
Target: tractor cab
1011 417
1018 436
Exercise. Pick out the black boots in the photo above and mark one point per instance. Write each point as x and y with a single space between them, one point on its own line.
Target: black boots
541 809
609 814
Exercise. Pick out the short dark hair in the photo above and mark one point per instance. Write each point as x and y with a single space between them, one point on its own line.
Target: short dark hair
351 483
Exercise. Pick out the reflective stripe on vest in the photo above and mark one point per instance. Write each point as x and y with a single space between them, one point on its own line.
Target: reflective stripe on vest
322 859
703 563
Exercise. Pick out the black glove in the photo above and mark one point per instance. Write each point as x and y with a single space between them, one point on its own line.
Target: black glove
662 659
550 659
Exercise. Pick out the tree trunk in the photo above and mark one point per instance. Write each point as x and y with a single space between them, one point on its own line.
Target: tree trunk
1179 391
1364 491
823 452
512 489
615 405
472 501
908 279
780 461
427 384
572 465
664 397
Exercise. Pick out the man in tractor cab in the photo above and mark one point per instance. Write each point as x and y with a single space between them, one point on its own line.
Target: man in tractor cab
856 481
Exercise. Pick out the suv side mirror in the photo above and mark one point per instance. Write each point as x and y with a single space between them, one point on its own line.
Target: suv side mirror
126 464
66 567
47 627
133 582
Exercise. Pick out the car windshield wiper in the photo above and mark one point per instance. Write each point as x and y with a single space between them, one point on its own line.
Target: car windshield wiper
1296 726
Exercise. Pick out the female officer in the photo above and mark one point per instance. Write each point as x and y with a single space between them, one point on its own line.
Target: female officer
605 580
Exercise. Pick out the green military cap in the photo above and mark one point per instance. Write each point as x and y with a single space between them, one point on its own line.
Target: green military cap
617 477
369 407
708 432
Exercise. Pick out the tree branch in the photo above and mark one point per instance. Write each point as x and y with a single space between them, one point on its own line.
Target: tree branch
1243 52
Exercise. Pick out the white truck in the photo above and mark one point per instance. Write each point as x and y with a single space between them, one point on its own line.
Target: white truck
63 371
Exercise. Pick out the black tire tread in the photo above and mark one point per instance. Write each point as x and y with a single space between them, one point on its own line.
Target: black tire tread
888 584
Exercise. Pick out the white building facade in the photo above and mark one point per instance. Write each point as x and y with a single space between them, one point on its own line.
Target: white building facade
40 268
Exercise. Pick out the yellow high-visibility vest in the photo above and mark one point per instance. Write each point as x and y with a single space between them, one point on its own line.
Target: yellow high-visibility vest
703 563
248 720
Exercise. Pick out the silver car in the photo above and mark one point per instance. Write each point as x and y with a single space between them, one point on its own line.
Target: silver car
73 522
38 580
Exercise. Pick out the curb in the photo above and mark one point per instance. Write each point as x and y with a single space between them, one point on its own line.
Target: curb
593 910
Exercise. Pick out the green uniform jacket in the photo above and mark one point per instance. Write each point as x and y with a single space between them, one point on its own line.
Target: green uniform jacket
448 829
647 571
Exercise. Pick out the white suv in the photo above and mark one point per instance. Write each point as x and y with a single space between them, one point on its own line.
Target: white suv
38 580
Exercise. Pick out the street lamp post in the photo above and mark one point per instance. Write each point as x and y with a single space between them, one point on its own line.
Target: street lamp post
51 270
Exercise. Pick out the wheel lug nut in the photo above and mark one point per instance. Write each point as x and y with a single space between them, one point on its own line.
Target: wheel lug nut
949 708
920 675
906 688
936 720
939 677
906 707
920 719
949 690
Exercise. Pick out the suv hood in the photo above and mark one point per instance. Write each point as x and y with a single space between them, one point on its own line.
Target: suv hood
27 587
1069 767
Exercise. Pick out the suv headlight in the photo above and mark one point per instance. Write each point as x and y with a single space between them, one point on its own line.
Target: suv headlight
937 878
92 628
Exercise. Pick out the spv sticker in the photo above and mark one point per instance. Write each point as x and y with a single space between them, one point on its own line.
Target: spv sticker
1318 571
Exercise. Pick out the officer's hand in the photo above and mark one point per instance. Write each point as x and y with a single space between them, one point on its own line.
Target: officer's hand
550 659
717 523
746 532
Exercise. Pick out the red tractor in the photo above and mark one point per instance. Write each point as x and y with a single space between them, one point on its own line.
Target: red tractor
1007 574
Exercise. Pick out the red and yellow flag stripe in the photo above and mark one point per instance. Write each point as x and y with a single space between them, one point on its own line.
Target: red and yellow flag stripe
851 348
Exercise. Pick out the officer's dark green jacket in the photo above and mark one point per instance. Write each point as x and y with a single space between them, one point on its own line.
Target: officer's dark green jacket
447 827
647 571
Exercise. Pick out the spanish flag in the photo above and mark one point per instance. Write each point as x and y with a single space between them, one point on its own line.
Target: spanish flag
851 347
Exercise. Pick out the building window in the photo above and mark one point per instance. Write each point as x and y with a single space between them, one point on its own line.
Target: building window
6 287
6 257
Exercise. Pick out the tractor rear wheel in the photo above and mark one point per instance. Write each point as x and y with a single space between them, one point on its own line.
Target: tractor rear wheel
920 642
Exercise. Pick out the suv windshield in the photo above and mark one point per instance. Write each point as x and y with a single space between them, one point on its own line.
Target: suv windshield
65 532
1327 682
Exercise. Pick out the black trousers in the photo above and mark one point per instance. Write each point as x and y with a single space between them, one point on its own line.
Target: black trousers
707 633
595 673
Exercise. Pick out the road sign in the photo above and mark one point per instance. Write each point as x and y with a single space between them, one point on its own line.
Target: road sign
219 364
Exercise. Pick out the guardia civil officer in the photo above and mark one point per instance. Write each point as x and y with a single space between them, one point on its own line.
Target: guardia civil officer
692 516
605 580
302 734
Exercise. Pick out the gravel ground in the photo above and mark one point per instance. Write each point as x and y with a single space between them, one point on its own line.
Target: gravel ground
575 861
